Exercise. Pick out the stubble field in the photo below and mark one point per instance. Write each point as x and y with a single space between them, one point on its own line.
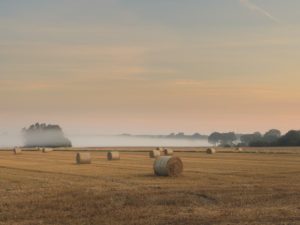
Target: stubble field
257 186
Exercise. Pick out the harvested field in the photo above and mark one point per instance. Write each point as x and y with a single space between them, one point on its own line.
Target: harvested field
226 188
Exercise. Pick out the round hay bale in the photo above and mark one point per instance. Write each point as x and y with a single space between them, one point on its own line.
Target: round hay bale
168 151
154 153
46 150
17 151
113 155
168 166
239 149
211 151
83 158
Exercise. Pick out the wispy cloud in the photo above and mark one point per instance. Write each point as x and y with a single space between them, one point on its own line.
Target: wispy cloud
250 5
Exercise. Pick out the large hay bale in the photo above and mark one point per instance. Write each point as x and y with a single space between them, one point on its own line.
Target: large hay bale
168 151
154 153
168 166
17 151
83 158
46 150
113 155
211 151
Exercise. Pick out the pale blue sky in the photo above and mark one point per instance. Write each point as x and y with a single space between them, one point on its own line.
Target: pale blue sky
150 66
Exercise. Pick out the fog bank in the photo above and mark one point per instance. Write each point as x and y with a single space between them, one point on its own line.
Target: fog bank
119 141
12 140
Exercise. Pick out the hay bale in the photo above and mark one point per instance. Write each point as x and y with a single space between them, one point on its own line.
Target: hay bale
154 153
83 158
168 151
113 155
160 149
168 166
239 149
211 151
17 151
46 150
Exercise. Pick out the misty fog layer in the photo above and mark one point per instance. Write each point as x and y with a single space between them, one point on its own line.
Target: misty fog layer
46 138
109 141
11 140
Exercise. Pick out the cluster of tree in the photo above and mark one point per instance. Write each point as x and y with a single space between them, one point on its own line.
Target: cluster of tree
258 139
43 135
222 139
271 138
292 138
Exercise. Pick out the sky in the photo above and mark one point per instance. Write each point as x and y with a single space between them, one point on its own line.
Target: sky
159 66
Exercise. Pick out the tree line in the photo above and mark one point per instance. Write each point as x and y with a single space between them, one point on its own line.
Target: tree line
271 138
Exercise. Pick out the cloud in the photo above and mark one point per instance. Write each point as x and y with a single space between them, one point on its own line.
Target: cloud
253 7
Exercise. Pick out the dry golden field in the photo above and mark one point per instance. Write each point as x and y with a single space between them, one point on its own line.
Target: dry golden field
257 186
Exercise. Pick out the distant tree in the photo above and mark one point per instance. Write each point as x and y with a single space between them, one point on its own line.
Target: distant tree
42 135
249 138
171 135
196 136
272 135
180 135
292 138
222 138
214 138
228 138
260 143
